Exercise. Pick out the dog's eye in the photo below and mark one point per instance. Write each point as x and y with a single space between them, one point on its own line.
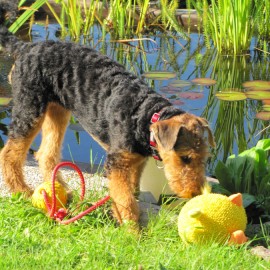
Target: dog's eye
186 159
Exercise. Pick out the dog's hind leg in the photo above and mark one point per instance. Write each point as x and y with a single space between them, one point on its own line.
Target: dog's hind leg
14 153
53 130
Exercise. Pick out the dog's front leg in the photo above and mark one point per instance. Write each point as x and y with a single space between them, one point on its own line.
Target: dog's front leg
122 168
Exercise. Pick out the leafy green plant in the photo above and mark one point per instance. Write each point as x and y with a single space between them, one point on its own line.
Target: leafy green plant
247 173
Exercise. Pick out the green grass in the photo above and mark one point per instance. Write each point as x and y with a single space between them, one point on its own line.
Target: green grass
29 240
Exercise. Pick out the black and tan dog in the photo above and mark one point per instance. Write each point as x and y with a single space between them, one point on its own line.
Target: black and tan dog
52 80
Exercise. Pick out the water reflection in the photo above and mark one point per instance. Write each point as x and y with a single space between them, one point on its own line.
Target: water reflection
234 124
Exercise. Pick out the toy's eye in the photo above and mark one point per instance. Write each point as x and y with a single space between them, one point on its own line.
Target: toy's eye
186 159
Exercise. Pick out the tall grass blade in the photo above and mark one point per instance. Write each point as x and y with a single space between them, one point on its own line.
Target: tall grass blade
229 24
26 15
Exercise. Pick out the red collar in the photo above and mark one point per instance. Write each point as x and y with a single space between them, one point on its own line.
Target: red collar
153 144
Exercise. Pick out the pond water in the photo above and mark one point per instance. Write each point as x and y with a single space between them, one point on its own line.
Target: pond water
234 123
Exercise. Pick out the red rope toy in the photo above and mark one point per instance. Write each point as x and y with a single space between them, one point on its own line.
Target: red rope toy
62 213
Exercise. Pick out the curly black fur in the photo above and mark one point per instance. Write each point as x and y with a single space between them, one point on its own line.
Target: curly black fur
8 11
111 104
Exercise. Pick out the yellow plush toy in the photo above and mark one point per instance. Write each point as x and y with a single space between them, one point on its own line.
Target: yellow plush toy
213 218
60 193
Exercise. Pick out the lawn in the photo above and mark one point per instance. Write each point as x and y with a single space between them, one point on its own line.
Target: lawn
29 240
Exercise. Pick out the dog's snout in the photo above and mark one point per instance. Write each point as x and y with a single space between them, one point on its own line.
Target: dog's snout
195 193
186 159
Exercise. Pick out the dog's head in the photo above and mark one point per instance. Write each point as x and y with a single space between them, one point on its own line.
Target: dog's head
184 148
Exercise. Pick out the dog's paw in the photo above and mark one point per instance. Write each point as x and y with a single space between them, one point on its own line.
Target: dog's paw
131 226
25 193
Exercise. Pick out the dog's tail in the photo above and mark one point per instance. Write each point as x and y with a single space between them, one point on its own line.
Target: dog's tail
8 14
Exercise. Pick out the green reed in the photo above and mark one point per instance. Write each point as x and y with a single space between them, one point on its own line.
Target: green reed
168 18
122 19
76 19
229 24
262 23
130 17
26 15
143 13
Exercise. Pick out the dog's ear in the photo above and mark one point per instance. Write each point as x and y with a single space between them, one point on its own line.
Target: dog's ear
205 126
166 133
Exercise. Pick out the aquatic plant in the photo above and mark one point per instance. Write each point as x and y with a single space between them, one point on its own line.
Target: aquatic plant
122 19
228 24
168 18
262 23
126 18
234 123
29 11
76 18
